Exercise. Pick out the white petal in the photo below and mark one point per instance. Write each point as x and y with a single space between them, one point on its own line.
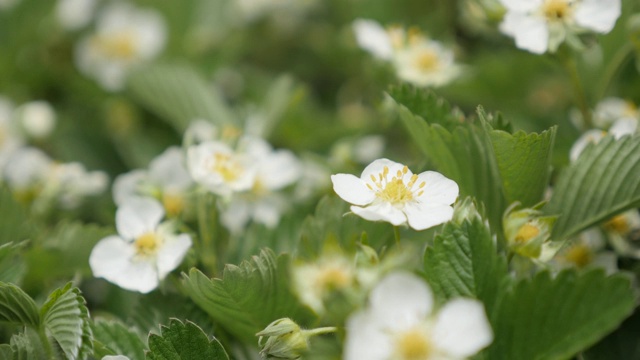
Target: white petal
462 328
373 38
168 169
381 212
377 167
591 136
126 186
138 216
115 357
235 215
113 259
521 5
438 189
531 33
401 300
422 216
281 168
171 253
624 126
351 189
608 260
365 339
598 15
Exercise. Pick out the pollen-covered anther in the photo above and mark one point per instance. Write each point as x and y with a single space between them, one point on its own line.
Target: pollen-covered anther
556 9
147 243
413 344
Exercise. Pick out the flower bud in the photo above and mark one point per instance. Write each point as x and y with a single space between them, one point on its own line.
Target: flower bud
528 232
285 340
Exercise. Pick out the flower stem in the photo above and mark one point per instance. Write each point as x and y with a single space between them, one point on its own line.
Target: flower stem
613 67
581 97
396 234
206 216
320 331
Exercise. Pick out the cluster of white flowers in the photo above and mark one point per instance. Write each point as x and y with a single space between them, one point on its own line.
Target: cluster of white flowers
246 172
32 175
124 37
612 115
539 26
400 324
415 58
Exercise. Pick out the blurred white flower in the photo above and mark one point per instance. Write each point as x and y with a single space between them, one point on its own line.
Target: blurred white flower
587 250
75 14
253 9
218 168
542 25
144 251
8 4
166 180
389 191
125 36
274 170
36 118
619 230
399 324
612 109
362 150
70 183
620 128
416 58
26 172
10 139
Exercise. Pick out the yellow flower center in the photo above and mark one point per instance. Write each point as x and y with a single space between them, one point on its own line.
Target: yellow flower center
333 277
556 9
147 243
618 224
395 191
413 344
527 232
227 167
427 60
173 203
580 255
121 45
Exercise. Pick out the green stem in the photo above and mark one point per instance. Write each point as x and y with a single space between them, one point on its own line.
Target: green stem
620 57
206 215
45 342
396 234
581 97
320 331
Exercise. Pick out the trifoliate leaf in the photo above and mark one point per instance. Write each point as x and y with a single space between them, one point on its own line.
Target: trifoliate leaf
65 317
604 181
524 163
248 297
117 339
179 95
556 317
464 262
184 341
17 307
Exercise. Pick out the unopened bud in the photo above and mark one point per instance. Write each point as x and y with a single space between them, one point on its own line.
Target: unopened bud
286 340
528 232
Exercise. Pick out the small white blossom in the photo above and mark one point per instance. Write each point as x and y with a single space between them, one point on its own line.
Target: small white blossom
36 118
373 38
75 14
220 169
144 251
612 109
389 191
586 251
620 128
167 180
399 324
125 36
71 182
619 230
26 171
542 25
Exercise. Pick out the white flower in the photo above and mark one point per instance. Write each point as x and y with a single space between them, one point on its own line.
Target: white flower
620 128
10 139
612 109
314 282
167 180
541 25
388 191
143 252
71 182
274 170
373 38
399 324
426 62
75 14
37 118
587 250
619 229
219 169
125 36
26 170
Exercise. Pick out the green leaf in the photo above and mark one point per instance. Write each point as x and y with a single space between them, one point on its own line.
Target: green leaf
427 105
604 181
15 225
65 317
556 317
524 163
248 297
28 346
464 262
184 341
5 352
621 344
12 264
178 94
17 307
118 340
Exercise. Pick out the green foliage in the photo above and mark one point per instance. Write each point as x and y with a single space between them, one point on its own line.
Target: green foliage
494 166
117 339
184 341
464 262
66 319
178 94
17 307
249 296
15 224
604 181
12 264
28 345
621 344
556 317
